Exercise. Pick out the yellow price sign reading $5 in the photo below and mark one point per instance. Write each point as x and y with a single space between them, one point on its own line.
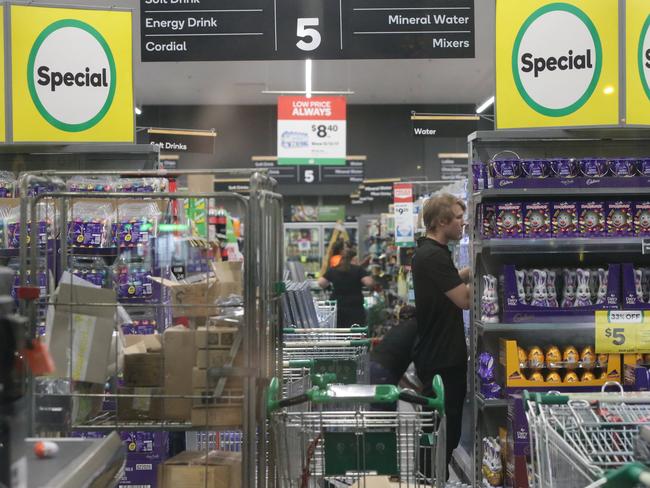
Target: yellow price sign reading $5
622 331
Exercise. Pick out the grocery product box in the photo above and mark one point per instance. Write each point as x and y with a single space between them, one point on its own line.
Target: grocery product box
218 415
216 358
202 380
147 404
88 328
179 356
216 337
631 299
523 373
196 296
141 470
516 312
143 369
216 469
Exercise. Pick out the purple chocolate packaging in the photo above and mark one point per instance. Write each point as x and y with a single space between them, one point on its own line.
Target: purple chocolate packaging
623 168
565 219
130 234
620 219
146 442
591 219
490 390
509 220
488 221
86 234
537 219
642 219
141 470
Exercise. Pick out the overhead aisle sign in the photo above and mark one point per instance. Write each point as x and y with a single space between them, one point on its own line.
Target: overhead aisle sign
234 30
311 130
72 75
638 62
557 63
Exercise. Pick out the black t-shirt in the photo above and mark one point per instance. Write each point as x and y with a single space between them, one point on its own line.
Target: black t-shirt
347 285
440 339
394 350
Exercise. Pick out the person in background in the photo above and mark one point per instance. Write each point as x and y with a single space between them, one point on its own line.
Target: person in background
347 280
390 359
441 295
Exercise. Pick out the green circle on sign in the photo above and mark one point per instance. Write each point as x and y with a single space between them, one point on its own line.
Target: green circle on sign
557 112
59 24
644 80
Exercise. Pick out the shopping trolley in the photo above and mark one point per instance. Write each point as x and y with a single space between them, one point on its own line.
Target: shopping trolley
586 439
347 359
293 334
341 448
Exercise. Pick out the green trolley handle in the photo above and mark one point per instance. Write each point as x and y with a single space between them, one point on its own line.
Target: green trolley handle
628 476
544 399
327 393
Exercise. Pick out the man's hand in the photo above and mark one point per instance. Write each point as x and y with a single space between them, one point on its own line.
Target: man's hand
464 275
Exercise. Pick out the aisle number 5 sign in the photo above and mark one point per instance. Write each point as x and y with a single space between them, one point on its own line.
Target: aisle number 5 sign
622 331
556 63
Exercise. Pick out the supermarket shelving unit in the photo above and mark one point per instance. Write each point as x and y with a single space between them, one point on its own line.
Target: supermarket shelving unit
489 255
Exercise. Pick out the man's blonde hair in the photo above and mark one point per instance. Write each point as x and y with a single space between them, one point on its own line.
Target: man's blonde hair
440 210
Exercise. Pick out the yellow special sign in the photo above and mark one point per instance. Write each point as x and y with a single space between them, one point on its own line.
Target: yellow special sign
3 136
556 63
637 62
72 75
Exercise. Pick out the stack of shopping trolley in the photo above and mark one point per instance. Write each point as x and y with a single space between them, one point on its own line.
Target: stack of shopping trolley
588 440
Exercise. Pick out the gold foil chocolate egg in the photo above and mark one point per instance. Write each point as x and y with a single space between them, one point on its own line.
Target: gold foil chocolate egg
536 357
571 377
521 353
587 355
536 376
553 355
587 376
602 359
571 356
553 377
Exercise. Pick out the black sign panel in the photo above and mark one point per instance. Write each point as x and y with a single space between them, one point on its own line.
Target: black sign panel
351 173
182 141
378 190
444 128
233 185
453 169
227 30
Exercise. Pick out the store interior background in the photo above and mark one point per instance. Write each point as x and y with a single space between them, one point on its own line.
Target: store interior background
227 96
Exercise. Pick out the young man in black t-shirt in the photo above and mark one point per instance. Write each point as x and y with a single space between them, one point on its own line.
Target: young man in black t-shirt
441 295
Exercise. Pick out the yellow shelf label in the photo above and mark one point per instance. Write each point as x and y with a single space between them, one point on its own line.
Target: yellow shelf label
622 331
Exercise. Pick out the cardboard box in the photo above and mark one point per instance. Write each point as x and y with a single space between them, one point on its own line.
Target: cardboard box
201 381
141 470
148 405
88 328
229 396
152 342
143 369
215 337
218 415
217 469
178 354
216 358
195 297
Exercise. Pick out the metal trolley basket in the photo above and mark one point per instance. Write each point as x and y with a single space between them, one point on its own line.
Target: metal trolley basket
341 448
585 439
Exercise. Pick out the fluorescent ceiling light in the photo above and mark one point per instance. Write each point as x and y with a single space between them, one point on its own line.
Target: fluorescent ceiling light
138 111
308 78
453 155
485 105
445 117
